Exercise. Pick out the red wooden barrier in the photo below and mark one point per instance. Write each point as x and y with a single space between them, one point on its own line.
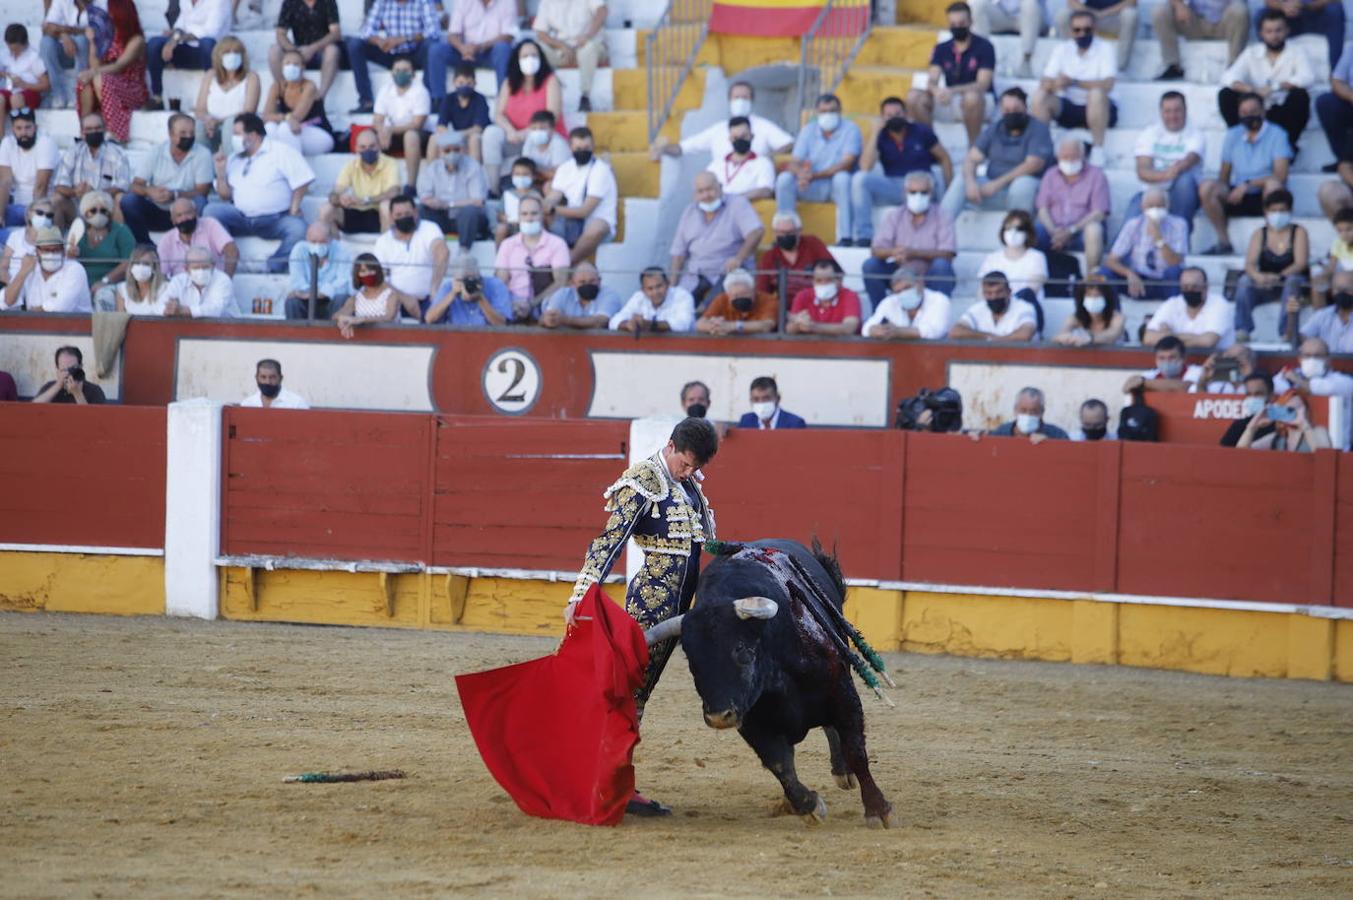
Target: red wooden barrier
82 475
1341 532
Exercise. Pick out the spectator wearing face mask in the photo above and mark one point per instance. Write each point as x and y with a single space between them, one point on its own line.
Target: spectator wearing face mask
1292 430
896 148
766 413
180 167
739 309
585 303
1076 89
910 312
1201 318
1255 159
70 385
1148 253
1314 377
464 110
1118 17
792 252
827 308
1212 383
26 78
1024 266
47 281
270 393
102 246
1258 394
294 111
695 399
1028 422
1171 373
192 230
1000 317
469 300
1275 71
507 210
768 138
539 142
918 236
452 191
228 89
1276 265
961 70
201 291
360 200
28 161
142 293
413 251
1073 204
531 87
1096 318
1094 416
825 154
583 198
533 263
742 171
19 242
1016 149
372 300
401 109
715 235
90 165
1334 324
322 252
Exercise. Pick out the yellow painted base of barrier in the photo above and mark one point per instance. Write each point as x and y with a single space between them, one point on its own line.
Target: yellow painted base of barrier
82 583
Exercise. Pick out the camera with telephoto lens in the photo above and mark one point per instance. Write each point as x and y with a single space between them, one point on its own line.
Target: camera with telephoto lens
472 286
76 372
937 411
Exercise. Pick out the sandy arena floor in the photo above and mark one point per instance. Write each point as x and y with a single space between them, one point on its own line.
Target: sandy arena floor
144 757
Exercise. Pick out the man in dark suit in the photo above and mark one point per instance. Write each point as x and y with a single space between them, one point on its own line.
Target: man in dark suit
766 412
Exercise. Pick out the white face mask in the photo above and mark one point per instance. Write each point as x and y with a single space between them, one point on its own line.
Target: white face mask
199 277
52 261
1156 213
1279 219
710 206
764 410
530 65
237 143
1095 305
1253 406
909 299
98 220
824 292
1015 237
521 182
41 221
829 121
739 106
531 229
1070 167
142 272
291 72
918 203
539 136
1312 367
1027 423
232 61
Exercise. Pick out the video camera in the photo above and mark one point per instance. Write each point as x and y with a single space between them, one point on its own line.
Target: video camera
944 408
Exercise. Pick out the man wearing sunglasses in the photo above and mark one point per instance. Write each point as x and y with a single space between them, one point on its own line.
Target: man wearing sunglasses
27 163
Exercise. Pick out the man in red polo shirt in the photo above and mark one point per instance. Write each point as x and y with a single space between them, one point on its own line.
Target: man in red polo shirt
826 307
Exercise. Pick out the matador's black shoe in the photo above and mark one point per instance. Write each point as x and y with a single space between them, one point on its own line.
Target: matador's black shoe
640 805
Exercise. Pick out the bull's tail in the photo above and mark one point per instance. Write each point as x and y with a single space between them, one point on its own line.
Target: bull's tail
832 565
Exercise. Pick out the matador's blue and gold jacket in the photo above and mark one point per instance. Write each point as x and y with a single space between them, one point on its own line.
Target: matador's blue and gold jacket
669 520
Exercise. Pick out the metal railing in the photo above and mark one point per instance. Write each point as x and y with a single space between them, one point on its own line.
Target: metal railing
672 47
829 46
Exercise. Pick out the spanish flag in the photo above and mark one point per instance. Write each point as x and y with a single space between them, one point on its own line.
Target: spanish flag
786 18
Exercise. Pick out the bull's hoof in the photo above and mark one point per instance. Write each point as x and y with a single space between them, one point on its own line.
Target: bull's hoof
846 782
818 815
883 821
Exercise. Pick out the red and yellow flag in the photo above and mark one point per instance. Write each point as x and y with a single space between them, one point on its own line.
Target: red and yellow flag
766 18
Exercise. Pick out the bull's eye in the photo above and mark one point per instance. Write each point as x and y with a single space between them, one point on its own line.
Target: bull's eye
742 655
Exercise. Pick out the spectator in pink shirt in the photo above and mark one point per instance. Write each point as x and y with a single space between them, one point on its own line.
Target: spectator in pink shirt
1072 204
533 263
191 230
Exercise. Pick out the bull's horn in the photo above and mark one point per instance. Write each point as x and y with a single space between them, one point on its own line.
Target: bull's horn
755 608
664 631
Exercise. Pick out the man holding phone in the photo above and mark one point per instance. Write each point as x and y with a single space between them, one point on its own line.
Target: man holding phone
70 385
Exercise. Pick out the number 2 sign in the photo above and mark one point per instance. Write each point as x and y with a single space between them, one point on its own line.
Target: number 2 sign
511 381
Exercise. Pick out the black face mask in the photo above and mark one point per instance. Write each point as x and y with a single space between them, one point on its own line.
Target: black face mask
696 410
960 33
471 285
786 241
582 157
465 90
588 291
269 390
1094 432
998 305
1193 298
1344 300
26 143
1016 121
1276 47
742 304
187 226
186 143
741 146
897 124
1252 123
406 224
1085 40
94 140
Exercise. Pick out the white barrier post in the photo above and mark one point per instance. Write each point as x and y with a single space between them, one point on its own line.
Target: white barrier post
192 514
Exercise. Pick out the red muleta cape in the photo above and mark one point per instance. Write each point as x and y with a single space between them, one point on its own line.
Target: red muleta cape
558 733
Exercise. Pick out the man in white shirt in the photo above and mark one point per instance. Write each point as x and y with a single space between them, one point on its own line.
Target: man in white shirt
27 162
743 172
1118 17
1077 85
64 46
200 291
270 393
1277 72
768 138
188 45
1170 157
49 282
910 312
1000 317
1172 372
413 252
24 72
583 196
656 306
570 33
1316 378
261 186
401 108
1199 318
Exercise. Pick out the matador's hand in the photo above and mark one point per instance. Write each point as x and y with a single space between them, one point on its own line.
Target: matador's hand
570 612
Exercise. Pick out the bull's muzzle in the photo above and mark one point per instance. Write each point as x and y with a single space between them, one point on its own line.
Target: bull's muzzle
726 719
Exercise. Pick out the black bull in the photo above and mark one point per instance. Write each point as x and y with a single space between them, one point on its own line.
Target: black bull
764 665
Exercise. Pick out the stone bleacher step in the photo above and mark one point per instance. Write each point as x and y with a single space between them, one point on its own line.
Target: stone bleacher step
897 47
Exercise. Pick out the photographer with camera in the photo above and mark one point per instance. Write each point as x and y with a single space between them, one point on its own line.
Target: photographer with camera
70 385
470 300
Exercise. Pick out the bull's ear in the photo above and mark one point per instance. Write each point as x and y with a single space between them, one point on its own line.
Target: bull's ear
755 608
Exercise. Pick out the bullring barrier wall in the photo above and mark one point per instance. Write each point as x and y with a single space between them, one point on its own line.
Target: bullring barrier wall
1183 557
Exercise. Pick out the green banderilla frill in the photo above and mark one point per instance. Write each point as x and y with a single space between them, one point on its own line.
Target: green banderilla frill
338 777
